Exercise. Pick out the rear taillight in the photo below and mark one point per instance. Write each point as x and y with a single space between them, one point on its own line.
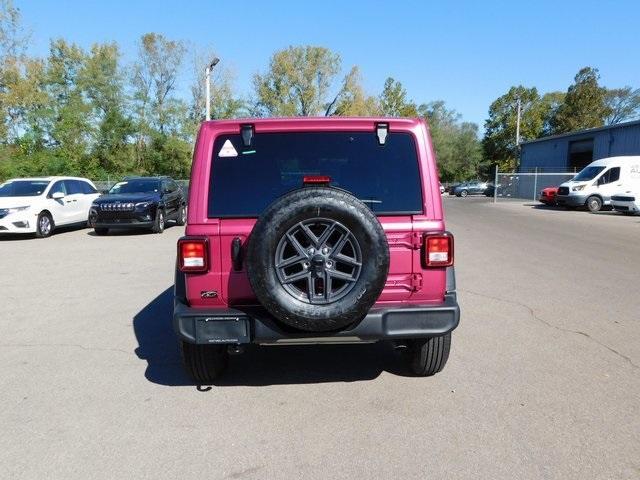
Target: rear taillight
193 256
438 250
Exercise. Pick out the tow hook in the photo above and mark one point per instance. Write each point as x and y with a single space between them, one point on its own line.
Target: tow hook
400 346
235 349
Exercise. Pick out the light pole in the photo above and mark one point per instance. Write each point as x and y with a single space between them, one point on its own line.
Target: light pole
207 76
518 124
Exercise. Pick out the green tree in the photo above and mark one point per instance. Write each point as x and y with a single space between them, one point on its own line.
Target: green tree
585 104
155 75
101 79
623 104
393 100
160 117
68 127
456 143
549 105
13 42
13 38
352 101
297 82
499 142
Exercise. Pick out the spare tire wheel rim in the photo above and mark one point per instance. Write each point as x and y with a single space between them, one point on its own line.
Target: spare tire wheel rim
318 261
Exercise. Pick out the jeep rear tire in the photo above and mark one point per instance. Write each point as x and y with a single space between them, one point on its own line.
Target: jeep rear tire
317 259
204 363
428 356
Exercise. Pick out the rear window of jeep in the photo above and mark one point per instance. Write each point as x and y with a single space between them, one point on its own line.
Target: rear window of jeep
245 180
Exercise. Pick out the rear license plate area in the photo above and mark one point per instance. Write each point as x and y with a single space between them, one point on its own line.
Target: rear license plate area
222 330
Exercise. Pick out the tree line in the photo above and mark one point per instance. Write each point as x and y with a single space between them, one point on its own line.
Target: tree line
88 112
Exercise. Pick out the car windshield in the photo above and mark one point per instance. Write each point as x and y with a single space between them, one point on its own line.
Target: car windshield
139 185
23 188
245 180
588 173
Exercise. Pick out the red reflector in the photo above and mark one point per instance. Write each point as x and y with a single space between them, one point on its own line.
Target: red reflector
316 179
192 255
438 250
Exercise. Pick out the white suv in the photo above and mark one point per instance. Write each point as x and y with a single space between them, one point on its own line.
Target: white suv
38 205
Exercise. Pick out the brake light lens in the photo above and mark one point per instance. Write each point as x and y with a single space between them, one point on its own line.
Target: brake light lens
438 250
193 255
316 180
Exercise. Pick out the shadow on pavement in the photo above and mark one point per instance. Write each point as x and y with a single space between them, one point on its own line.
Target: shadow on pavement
10 237
258 366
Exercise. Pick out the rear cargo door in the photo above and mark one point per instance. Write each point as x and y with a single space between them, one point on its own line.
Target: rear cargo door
249 175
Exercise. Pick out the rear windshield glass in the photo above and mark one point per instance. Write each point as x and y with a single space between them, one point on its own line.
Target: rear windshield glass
245 180
23 188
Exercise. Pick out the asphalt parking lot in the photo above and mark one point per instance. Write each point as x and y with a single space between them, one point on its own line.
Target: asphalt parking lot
543 379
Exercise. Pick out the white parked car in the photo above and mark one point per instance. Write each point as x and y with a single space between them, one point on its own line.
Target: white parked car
627 202
39 205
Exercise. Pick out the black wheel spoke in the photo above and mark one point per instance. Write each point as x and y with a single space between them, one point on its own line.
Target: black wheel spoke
327 285
291 261
311 288
352 262
325 235
296 244
343 276
296 277
337 248
310 235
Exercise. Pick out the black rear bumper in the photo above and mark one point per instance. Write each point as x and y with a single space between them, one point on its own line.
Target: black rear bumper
234 326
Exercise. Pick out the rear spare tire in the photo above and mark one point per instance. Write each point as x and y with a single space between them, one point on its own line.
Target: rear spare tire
317 259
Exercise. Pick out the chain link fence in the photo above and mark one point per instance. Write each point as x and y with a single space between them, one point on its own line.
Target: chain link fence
526 185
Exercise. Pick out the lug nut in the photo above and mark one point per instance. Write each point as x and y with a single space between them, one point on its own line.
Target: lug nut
305 265
325 250
329 264
311 251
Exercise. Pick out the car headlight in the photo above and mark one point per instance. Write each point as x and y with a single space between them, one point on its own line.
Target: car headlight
143 204
16 209
578 188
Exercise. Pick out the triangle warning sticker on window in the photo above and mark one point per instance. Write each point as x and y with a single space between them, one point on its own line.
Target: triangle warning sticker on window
227 150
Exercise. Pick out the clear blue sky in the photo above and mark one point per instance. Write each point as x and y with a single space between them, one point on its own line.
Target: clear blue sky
464 52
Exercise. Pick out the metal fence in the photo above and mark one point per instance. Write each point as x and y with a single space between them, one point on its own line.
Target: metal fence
526 185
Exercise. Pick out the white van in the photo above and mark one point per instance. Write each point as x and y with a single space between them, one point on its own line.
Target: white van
594 186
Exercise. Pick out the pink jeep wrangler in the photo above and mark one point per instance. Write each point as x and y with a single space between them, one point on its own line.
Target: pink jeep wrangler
314 230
